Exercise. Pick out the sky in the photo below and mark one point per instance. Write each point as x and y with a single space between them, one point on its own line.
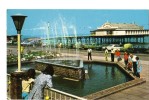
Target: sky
72 22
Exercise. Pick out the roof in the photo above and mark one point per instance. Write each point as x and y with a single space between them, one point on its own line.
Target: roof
11 35
121 26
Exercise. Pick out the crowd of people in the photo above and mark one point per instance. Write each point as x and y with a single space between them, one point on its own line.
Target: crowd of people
132 62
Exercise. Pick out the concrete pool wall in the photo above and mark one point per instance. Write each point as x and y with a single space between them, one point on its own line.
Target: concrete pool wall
64 69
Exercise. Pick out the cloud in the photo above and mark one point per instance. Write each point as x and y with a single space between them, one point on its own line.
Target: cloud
37 28
89 27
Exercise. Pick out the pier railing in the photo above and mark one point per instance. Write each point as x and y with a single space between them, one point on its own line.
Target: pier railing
49 93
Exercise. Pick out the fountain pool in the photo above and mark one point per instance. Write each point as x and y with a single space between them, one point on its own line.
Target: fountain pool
99 77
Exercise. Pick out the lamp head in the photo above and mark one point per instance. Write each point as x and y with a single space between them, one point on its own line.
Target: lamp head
18 20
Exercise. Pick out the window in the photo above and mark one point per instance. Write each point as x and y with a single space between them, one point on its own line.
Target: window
109 32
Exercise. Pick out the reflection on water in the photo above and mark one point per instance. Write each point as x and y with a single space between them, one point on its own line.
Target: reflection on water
106 72
100 76
89 66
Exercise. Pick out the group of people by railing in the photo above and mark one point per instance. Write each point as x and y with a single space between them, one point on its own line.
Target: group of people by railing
34 88
132 62
40 87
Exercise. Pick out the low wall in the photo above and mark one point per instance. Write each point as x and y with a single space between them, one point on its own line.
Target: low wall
61 71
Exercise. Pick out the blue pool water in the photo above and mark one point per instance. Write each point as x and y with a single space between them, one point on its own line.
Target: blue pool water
100 76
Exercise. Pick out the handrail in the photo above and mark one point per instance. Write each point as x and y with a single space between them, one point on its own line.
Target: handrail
67 94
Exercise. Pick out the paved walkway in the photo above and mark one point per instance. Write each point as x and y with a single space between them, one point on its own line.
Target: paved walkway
139 92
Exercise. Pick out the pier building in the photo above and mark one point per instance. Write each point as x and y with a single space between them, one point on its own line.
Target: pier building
111 33
121 33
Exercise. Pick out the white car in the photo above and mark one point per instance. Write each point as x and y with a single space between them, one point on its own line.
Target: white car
114 46
28 43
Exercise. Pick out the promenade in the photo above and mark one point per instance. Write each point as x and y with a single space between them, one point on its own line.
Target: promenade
138 92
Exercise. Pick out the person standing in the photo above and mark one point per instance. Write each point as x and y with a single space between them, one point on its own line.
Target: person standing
22 51
27 83
59 47
139 67
106 54
134 63
112 55
117 53
89 54
126 55
130 63
43 80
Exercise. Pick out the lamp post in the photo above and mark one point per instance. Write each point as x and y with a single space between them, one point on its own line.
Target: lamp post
18 22
16 77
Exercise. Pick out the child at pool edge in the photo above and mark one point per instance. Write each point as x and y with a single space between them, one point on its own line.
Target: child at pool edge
27 83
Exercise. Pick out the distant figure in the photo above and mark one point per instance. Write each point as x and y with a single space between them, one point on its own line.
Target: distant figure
126 55
112 55
22 49
139 67
43 80
130 63
27 83
117 53
59 47
134 61
106 54
89 54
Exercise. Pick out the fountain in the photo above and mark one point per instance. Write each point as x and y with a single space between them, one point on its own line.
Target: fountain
65 66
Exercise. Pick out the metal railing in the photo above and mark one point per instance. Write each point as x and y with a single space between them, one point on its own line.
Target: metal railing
49 93
54 94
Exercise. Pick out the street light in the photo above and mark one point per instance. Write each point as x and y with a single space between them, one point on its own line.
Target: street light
18 22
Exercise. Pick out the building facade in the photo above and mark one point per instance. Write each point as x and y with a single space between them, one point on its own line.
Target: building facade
116 29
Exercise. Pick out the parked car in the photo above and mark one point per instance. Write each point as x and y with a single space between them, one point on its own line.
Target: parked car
104 46
127 47
114 46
